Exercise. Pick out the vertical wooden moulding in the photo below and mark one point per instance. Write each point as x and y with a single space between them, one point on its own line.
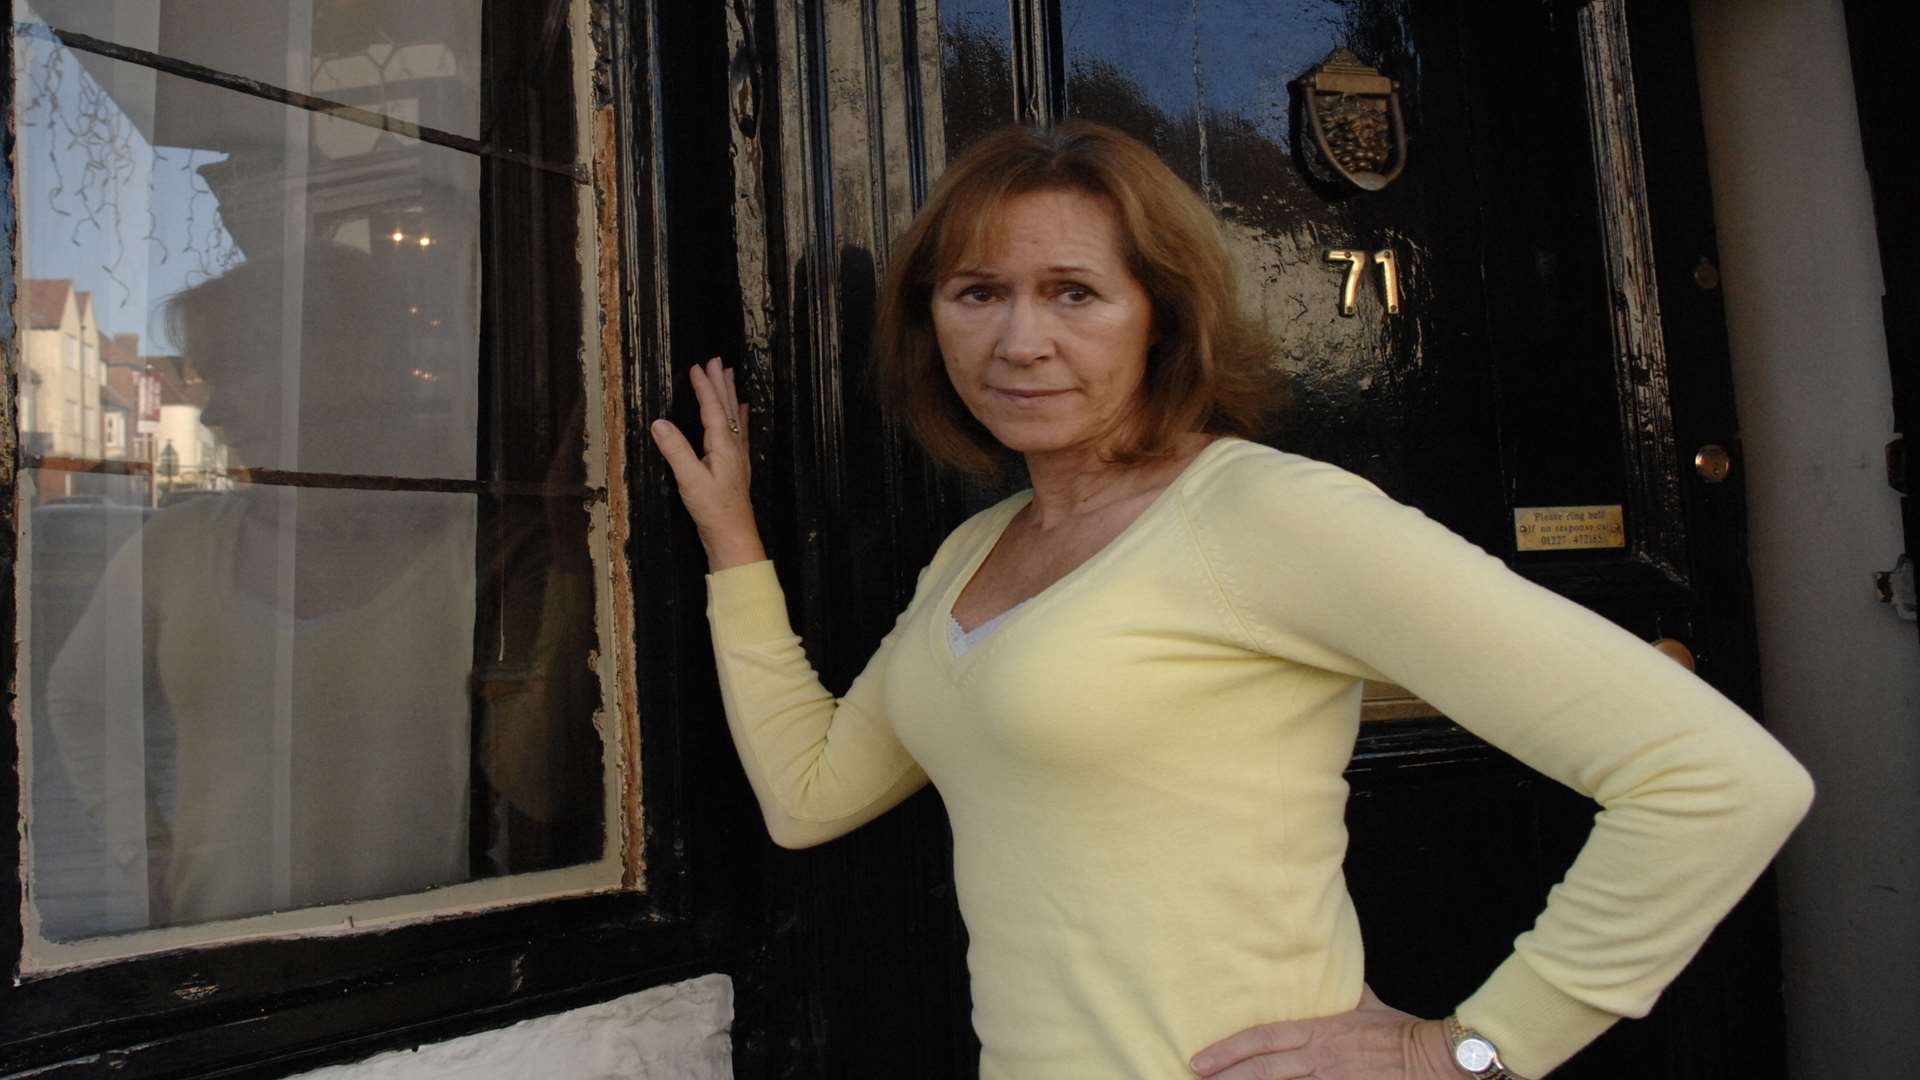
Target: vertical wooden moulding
908 147
614 418
1039 85
1640 352
606 146
928 122
747 97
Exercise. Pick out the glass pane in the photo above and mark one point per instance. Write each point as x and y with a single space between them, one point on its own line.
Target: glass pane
418 62
318 278
309 614
291 732
265 698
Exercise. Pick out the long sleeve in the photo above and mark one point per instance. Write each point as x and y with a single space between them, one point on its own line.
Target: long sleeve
1319 567
819 767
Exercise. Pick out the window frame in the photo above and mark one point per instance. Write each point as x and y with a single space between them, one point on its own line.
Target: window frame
268 1007
616 866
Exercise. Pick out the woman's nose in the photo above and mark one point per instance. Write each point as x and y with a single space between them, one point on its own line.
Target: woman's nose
1024 336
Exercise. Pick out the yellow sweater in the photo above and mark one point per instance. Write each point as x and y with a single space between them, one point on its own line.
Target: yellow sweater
1143 767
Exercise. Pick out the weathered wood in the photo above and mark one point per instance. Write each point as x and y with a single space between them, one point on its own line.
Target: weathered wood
1640 348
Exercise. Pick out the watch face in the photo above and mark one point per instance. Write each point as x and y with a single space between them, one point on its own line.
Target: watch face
1474 1054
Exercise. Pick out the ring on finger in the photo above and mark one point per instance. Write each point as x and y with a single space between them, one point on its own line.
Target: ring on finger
733 424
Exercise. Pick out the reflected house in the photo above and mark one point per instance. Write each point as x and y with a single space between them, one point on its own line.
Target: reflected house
62 376
136 392
33 441
200 452
116 416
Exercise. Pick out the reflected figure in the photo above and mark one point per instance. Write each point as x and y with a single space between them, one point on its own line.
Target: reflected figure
270 687
351 653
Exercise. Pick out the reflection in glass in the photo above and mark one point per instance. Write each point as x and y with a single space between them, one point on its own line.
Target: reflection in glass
308 606
413 61
288 754
300 247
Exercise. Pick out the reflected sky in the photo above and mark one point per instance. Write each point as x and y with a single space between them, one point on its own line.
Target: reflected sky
1242 53
129 222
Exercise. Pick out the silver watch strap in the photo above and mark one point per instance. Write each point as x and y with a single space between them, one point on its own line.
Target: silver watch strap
1493 1069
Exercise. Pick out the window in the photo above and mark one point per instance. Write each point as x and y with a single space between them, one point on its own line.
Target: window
342 652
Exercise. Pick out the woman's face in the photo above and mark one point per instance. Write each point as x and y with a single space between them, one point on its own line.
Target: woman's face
1045 333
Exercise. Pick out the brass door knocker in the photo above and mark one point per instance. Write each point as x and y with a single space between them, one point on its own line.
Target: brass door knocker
1354 112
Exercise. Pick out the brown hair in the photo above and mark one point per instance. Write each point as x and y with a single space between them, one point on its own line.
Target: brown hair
1210 369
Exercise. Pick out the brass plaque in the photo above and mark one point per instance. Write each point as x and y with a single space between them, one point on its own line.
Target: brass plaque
1568 528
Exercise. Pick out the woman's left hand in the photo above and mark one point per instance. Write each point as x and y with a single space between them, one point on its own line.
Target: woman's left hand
1373 1042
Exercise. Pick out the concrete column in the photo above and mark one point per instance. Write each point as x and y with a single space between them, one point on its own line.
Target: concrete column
1840 675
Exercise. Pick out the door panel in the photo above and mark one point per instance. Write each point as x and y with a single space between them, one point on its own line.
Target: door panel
1545 234
1496 385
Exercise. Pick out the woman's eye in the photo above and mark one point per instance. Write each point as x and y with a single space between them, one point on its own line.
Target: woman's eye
1076 294
976 294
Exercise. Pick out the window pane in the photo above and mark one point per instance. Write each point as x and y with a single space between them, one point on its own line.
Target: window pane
319 278
309 611
410 60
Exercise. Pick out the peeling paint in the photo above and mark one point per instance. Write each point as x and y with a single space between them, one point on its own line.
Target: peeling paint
606 143
1656 493
750 238
10 503
193 992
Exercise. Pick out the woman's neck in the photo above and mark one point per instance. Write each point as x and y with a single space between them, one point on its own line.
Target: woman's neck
1069 484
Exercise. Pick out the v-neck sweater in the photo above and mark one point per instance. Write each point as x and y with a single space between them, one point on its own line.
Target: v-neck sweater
1143 767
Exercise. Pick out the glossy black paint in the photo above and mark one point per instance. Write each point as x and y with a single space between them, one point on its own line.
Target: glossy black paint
1493 224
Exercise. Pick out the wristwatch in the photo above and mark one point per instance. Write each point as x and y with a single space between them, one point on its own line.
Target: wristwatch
1475 1053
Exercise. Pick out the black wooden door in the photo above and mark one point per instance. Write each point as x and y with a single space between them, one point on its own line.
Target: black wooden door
1554 369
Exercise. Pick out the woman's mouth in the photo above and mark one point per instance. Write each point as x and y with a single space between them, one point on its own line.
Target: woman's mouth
1026 397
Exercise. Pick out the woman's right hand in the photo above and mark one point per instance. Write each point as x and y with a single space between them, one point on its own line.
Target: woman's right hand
714 486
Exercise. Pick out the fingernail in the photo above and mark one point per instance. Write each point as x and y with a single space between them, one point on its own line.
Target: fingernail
1202 1063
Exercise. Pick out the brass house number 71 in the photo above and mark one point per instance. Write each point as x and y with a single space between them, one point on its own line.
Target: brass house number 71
1357 268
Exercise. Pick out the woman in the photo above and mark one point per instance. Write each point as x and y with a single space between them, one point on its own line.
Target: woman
1136 685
